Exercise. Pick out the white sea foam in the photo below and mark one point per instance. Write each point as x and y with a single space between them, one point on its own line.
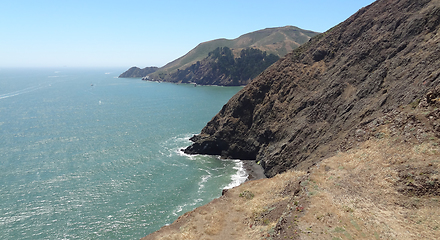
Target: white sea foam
174 146
204 180
181 142
183 154
239 177
183 206
19 92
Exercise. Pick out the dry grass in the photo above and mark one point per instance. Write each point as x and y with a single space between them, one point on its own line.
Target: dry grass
231 216
353 195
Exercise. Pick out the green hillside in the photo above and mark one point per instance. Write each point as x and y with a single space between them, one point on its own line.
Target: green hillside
278 41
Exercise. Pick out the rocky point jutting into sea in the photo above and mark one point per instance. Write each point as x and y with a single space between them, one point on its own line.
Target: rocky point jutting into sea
346 126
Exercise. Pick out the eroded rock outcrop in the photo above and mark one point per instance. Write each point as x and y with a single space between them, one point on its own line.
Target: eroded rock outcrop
303 107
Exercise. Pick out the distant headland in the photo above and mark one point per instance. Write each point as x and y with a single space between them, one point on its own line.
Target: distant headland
228 62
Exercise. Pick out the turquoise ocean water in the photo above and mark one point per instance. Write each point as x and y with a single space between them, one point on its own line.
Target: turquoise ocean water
87 155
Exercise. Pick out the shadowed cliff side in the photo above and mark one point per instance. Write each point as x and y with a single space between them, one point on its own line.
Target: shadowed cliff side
222 67
309 104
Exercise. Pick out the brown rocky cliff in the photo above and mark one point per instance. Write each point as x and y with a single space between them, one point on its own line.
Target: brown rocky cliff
308 105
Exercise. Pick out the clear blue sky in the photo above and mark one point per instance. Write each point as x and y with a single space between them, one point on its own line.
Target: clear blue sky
95 33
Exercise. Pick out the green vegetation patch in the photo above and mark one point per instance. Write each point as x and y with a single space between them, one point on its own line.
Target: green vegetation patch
247 194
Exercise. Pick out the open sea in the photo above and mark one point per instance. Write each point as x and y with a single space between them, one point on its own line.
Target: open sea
87 155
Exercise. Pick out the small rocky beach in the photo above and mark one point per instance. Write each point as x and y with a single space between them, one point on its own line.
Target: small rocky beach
254 170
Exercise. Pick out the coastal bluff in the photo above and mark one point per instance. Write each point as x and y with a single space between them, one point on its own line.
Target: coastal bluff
347 129
308 105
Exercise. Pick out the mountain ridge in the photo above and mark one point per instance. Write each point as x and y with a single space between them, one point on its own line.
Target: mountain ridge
244 41
136 72
278 41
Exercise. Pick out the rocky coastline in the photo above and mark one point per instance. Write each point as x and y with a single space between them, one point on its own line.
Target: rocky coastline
253 170
386 186
347 130
304 107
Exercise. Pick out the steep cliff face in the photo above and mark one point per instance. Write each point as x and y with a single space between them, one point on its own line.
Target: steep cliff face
309 104
223 68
